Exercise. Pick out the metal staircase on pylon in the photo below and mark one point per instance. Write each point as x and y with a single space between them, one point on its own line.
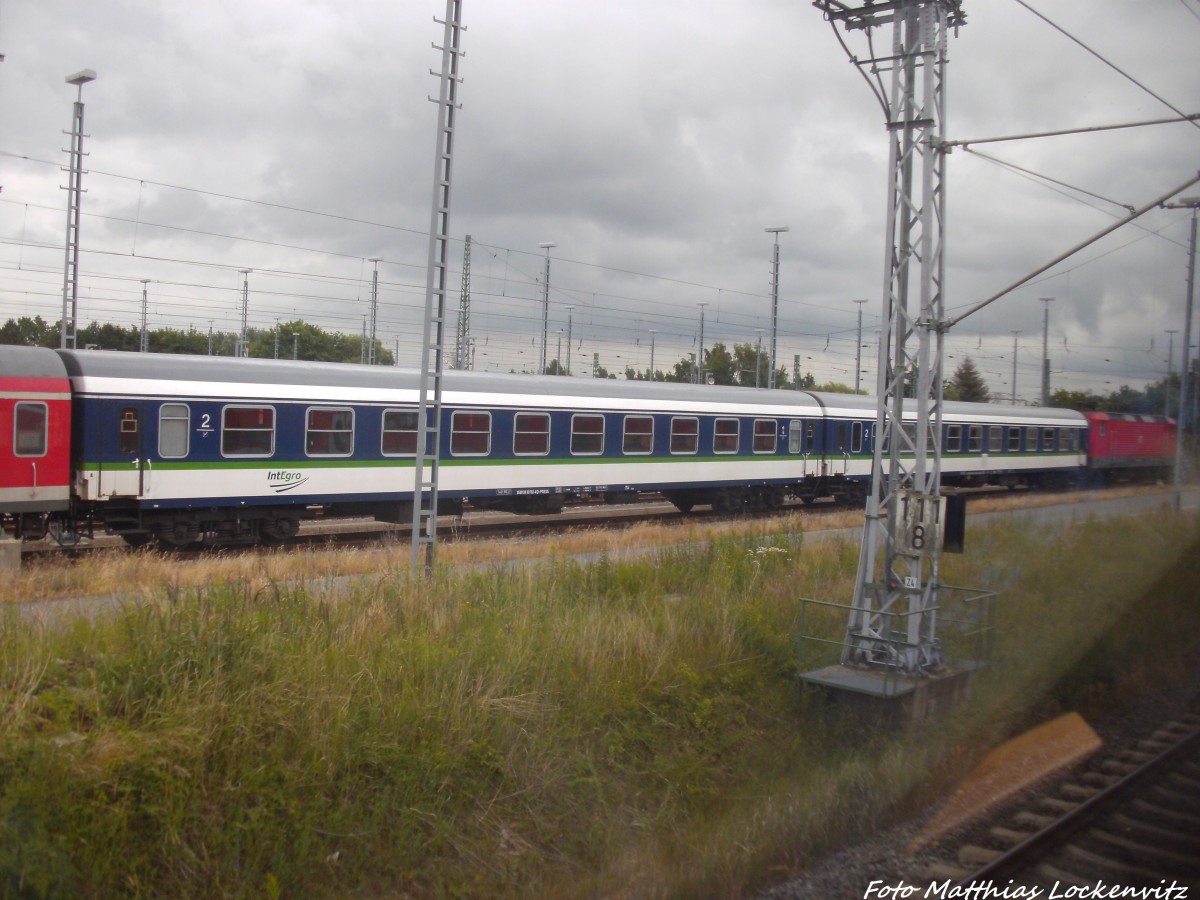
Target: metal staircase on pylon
433 346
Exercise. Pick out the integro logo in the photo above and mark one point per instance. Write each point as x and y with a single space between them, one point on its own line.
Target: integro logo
282 482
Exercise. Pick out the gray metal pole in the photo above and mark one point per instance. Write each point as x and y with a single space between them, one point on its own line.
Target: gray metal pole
774 304
243 345
858 348
545 304
1014 383
462 341
1170 370
68 327
374 310
1046 351
699 369
570 323
433 340
1182 444
653 335
758 359
144 343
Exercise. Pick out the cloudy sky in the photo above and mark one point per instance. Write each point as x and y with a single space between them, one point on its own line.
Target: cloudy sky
652 142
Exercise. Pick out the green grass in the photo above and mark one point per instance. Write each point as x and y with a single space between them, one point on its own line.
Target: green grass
620 728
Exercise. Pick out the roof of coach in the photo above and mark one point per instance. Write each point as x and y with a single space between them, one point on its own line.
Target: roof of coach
218 369
859 405
1017 415
30 362
1149 418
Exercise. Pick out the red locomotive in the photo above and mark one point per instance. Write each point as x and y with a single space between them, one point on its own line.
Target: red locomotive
35 432
1128 445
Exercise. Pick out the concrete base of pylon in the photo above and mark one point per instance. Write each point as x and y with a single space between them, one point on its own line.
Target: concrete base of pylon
882 693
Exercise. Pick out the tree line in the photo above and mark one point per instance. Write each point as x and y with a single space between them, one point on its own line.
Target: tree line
1157 398
745 365
292 340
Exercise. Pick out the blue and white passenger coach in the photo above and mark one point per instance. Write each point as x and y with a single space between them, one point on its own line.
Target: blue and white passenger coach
182 447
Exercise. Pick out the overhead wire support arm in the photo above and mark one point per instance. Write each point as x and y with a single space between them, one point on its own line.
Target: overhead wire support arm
1089 129
1136 214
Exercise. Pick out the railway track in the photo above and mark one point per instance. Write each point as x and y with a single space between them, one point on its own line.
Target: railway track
1128 822
475 525
491 525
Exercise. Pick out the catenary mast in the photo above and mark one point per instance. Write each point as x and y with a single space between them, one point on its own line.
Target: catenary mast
894 610
433 345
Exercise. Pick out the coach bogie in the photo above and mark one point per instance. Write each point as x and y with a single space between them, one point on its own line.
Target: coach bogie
684 501
178 534
280 528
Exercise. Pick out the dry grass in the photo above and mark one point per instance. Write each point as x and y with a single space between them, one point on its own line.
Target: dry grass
614 728
128 573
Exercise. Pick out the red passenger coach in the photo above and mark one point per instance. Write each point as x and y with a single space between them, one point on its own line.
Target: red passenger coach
35 430
1130 443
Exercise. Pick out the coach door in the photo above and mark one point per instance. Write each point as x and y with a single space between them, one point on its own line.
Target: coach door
802 442
124 468
838 436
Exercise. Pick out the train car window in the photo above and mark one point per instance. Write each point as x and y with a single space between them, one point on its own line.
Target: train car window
531 434
795 436
1048 440
1014 440
909 447
953 438
1073 435
764 436
30 427
685 435
470 433
247 431
725 436
128 430
995 438
1031 440
638 439
975 439
856 437
399 432
329 431
587 435
174 428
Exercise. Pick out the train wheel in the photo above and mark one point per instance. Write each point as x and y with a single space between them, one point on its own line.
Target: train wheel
135 539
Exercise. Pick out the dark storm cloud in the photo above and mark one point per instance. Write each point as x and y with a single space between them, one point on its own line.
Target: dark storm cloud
658 139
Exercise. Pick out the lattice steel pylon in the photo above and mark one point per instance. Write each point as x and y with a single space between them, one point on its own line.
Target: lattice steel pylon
462 344
893 621
433 345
